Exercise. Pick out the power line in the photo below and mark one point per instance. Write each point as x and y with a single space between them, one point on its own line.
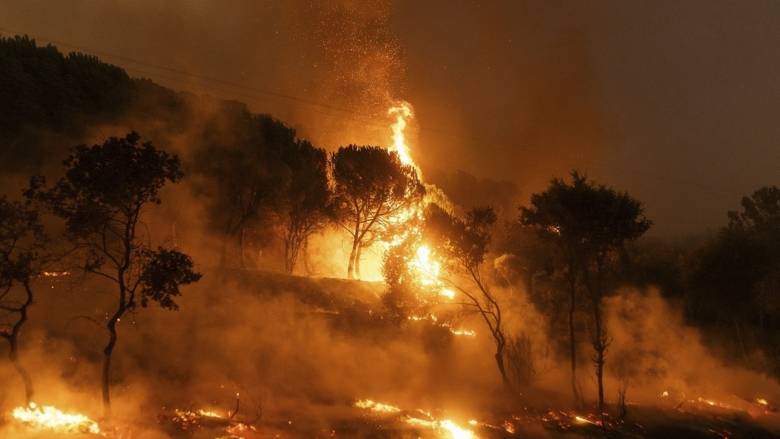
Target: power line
251 93
354 114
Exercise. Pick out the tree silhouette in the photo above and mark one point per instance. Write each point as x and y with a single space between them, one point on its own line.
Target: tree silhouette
736 275
46 92
241 175
21 244
101 198
305 204
371 187
589 223
465 241
613 219
555 215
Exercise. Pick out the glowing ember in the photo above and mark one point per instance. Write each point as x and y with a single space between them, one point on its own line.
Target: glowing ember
435 321
48 418
464 332
582 420
209 413
54 273
212 421
374 406
445 428
762 401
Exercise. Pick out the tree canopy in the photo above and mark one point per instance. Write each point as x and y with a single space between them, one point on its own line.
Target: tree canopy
371 187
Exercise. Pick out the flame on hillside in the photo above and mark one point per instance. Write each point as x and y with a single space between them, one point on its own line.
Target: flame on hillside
443 428
402 112
424 265
51 419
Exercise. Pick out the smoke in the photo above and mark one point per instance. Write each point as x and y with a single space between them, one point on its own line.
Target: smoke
655 351
298 349
294 349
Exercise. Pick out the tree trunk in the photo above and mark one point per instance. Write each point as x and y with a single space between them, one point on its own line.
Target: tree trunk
289 259
13 357
358 255
13 345
573 339
306 261
352 254
599 336
107 352
600 347
499 356
241 240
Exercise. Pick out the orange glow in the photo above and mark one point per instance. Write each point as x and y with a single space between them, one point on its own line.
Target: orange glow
374 406
443 428
402 112
423 266
49 418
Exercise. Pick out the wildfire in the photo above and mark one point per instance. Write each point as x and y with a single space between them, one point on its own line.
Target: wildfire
376 406
444 428
435 321
423 265
49 418
402 112
428 270
465 332
193 420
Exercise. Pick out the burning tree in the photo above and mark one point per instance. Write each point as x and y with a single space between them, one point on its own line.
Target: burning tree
372 188
101 198
589 224
21 240
465 242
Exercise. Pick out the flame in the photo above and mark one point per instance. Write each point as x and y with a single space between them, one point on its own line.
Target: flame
49 418
448 293
54 273
427 269
402 112
435 321
456 431
423 266
465 332
374 406
583 420
444 428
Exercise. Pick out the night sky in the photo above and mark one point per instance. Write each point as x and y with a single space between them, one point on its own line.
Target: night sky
675 102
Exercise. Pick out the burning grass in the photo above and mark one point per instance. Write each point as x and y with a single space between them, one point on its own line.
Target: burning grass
50 419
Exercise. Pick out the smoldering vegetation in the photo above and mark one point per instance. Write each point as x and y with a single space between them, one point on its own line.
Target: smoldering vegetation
689 336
